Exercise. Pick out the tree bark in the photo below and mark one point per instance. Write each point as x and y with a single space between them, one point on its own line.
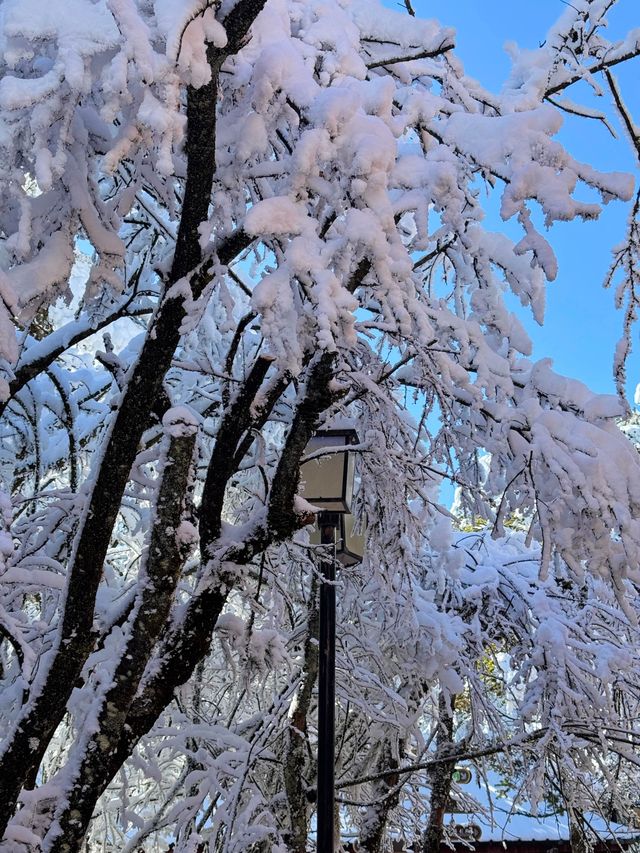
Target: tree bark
187 643
386 795
441 777
578 839
164 564
46 705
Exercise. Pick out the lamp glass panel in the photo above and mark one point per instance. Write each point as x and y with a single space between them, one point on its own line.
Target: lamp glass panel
352 546
349 545
323 481
349 478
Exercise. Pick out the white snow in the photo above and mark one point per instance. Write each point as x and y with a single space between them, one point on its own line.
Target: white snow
180 421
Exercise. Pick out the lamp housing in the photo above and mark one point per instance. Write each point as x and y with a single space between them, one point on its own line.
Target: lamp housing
327 482
349 544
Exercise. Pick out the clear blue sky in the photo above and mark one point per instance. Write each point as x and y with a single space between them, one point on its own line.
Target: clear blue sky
582 326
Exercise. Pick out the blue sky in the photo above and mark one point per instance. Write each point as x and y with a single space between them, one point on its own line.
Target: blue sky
582 326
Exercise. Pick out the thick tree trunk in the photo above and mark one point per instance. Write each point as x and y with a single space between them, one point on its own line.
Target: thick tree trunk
164 564
161 576
188 642
386 796
441 777
577 835
46 705
47 701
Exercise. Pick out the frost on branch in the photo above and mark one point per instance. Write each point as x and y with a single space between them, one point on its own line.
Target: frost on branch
283 208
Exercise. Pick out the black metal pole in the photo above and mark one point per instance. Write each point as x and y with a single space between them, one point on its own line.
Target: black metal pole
328 522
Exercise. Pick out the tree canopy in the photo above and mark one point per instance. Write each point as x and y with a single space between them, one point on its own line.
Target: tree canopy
224 225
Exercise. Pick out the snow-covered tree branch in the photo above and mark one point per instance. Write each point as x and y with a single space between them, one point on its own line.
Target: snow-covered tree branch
224 225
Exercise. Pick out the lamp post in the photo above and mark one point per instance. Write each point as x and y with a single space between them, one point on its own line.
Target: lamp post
327 690
327 482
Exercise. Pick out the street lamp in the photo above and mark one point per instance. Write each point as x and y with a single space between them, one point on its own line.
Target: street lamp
327 482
